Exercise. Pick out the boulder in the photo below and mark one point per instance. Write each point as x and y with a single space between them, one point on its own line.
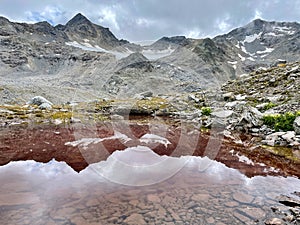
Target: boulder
296 125
45 105
40 101
252 117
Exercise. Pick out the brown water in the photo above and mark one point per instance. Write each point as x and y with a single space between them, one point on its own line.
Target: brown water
136 185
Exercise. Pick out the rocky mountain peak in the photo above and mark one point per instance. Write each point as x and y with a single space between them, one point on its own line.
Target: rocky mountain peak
169 42
77 20
257 23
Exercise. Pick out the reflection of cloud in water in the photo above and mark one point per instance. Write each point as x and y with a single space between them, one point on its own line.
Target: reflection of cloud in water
152 138
138 166
50 170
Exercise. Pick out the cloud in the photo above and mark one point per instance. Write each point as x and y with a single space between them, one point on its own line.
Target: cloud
108 17
258 14
152 19
49 13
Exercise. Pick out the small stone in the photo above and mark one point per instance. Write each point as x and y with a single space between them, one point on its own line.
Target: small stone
153 198
274 221
135 219
231 204
242 197
200 197
210 220
254 213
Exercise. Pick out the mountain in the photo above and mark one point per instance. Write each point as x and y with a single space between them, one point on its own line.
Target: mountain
87 59
260 43
168 42
80 28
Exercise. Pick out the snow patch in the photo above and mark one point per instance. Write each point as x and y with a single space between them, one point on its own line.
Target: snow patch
267 50
252 37
285 30
241 57
154 54
273 34
149 54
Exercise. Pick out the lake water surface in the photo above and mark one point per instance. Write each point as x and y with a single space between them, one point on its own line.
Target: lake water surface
136 185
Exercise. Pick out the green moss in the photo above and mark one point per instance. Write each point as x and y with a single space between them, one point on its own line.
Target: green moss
269 106
206 111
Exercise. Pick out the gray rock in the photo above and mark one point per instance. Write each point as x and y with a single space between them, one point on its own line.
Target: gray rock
143 95
192 97
289 136
223 113
45 105
251 117
296 125
39 100
229 96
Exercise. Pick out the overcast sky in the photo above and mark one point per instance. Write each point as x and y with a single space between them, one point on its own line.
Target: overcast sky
136 20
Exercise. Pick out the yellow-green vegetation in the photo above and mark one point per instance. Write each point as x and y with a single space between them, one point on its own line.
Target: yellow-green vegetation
103 105
151 104
206 111
282 151
61 115
282 122
15 108
269 106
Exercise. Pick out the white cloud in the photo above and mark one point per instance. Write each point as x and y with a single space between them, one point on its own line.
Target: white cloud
52 14
258 14
108 17
194 33
144 22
